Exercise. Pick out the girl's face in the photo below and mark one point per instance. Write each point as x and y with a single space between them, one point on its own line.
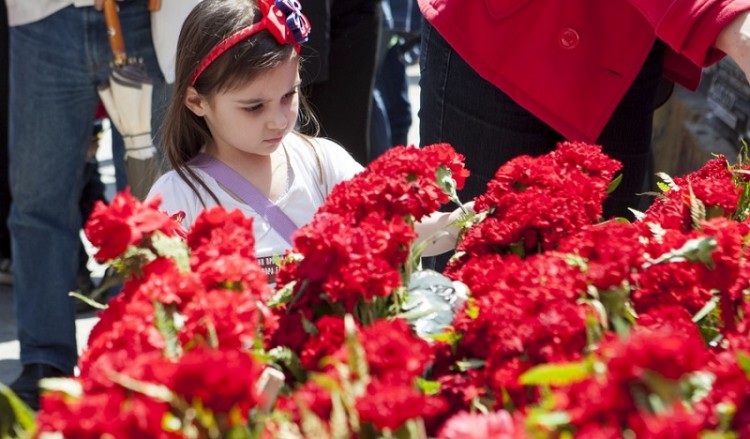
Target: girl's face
255 117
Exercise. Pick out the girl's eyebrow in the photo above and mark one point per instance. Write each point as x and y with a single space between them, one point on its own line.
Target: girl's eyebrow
252 101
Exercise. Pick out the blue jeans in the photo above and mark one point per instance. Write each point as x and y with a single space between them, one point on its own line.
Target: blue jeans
55 67
391 109
488 128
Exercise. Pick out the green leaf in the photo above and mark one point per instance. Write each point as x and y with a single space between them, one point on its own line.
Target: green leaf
286 357
726 412
614 184
715 212
417 250
743 360
694 250
282 296
469 364
339 421
308 326
412 429
428 387
357 358
664 391
697 210
550 420
577 261
706 310
238 433
743 158
172 247
697 385
620 325
155 391
16 418
471 310
668 180
662 186
451 337
166 326
557 374
718 435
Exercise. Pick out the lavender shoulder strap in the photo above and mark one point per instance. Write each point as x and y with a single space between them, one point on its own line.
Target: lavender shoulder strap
248 193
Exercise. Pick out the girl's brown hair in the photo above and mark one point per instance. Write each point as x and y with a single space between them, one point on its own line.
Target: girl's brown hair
183 133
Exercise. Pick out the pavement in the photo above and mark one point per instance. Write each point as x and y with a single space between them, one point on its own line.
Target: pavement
10 366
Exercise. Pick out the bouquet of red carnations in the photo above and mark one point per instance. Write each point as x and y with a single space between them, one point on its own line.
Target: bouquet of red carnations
195 343
572 326
583 328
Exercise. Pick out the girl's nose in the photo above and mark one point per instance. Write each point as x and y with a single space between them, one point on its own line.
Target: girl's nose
279 121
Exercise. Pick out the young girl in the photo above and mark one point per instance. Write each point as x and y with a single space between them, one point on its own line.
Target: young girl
229 132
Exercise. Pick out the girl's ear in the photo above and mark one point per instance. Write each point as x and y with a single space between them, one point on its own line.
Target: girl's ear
195 102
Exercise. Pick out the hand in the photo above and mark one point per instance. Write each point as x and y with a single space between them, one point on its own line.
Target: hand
734 40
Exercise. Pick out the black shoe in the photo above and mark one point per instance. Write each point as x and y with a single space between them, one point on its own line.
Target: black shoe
26 386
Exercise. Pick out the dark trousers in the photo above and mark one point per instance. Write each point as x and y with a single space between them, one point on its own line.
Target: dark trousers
459 107
391 110
339 69
488 128
4 183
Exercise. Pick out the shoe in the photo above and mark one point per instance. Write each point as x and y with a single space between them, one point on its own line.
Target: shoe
6 272
26 386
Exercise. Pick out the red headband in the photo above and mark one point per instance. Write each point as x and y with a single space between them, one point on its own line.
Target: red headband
283 19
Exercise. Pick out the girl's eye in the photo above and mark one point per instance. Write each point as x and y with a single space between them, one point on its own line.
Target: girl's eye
253 108
290 94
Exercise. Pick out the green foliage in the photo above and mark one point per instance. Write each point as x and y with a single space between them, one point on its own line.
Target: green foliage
558 374
471 363
694 250
164 321
697 211
16 419
171 247
287 358
429 387
282 296
614 184
743 359
667 181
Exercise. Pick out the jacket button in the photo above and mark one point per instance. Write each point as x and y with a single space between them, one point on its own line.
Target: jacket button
569 38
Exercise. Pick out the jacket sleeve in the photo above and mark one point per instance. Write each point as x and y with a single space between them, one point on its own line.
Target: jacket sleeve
690 27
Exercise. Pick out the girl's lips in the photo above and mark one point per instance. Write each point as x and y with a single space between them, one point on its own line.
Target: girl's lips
274 140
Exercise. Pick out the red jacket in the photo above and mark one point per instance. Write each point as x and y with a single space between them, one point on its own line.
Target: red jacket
570 62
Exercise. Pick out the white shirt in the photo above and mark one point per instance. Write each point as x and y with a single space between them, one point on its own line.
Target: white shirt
28 11
165 29
304 195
